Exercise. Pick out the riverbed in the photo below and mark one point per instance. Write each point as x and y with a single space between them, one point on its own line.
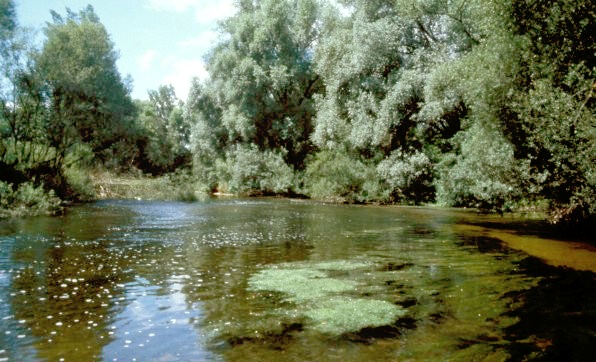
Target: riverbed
290 280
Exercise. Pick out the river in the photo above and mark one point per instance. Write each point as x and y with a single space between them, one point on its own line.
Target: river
290 280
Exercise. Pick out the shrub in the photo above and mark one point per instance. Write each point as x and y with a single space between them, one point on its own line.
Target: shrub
407 177
79 183
482 175
27 199
338 176
6 195
246 169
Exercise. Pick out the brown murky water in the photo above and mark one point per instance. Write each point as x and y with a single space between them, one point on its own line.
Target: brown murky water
273 280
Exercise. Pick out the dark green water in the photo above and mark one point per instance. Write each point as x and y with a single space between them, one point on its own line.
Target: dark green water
281 280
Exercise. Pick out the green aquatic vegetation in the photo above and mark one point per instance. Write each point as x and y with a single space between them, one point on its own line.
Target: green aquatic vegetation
300 284
342 265
340 315
322 298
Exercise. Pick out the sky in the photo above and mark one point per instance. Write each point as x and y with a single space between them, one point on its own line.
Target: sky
160 42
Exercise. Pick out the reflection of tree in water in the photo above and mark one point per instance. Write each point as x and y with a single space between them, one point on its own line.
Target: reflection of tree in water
232 245
69 304
69 289
555 317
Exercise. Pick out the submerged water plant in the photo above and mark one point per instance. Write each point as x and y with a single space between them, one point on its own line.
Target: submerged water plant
340 315
300 284
322 299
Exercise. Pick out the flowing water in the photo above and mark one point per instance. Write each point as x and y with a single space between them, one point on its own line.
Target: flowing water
287 280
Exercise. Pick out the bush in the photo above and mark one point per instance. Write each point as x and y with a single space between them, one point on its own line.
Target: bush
79 183
6 196
185 185
482 175
407 177
246 169
340 177
27 199
561 145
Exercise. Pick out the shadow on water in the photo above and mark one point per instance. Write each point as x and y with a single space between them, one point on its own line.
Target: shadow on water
556 317
370 335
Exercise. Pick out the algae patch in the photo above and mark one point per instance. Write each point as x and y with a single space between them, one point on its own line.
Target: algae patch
301 285
330 303
342 315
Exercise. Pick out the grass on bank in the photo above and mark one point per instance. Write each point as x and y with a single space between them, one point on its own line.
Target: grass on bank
178 186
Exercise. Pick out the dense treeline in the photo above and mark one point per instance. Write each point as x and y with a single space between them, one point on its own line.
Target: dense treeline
475 103
465 103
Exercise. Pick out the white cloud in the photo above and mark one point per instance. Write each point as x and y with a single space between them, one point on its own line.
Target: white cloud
213 10
180 66
172 5
206 11
180 73
203 42
147 59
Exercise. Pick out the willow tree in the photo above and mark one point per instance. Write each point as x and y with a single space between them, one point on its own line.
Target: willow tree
262 81
553 115
376 65
89 101
163 136
527 87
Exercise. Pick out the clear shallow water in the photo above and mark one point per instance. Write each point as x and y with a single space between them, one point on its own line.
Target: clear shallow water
268 279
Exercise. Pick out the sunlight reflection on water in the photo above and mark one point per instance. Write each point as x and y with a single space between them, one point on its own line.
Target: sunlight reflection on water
133 280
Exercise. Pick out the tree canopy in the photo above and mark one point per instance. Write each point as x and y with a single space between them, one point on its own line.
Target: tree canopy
467 103
488 104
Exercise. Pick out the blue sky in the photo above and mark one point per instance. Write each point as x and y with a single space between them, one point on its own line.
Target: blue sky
159 41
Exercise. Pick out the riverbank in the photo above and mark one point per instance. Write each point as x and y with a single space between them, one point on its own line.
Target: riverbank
171 187
28 200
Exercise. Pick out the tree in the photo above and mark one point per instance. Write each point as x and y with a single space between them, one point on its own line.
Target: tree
263 75
163 134
8 23
384 69
553 111
209 138
260 93
23 116
89 101
23 137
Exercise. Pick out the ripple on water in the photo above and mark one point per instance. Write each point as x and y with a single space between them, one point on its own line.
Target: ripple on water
264 280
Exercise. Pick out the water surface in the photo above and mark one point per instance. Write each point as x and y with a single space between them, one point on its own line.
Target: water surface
271 280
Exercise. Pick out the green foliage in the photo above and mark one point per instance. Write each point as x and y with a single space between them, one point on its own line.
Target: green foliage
79 184
338 176
89 101
246 169
561 138
7 19
466 102
554 104
263 79
27 199
482 174
560 34
162 133
62 109
408 177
